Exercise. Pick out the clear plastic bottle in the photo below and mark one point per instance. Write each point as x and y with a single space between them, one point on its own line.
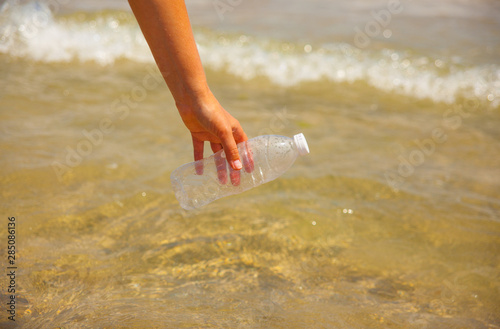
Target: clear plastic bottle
264 159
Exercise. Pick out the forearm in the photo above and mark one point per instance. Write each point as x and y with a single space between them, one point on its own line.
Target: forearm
165 25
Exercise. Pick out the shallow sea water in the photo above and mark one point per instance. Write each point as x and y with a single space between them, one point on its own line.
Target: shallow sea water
392 221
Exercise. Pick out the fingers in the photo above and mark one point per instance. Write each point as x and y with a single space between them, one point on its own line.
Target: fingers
233 156
198 155
235 176
231 150
210 122
246 157
216 147
220 163
238 133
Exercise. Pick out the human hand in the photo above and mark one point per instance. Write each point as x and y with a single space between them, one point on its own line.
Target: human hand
167 30
208 121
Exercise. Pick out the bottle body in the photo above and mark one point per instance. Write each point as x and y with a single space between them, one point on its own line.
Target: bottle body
264 159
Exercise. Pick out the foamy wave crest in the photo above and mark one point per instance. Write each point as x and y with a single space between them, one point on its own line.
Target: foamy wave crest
32 31
286 64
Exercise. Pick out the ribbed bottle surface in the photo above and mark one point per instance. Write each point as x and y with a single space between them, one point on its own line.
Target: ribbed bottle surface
264 159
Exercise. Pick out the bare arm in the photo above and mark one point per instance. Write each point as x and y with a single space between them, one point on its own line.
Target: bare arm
165 25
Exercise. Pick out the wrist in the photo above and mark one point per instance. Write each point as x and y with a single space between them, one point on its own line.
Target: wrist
193 96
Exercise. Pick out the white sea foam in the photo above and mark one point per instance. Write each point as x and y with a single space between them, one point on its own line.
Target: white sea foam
286 64
31 31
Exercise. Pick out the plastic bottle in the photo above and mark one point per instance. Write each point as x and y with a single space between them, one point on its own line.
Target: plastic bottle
264 159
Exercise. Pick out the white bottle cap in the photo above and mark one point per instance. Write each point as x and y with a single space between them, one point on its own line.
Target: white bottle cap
301 143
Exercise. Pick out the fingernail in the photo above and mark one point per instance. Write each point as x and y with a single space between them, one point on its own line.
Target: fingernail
237 164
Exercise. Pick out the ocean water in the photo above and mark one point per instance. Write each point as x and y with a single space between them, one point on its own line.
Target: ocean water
392 221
